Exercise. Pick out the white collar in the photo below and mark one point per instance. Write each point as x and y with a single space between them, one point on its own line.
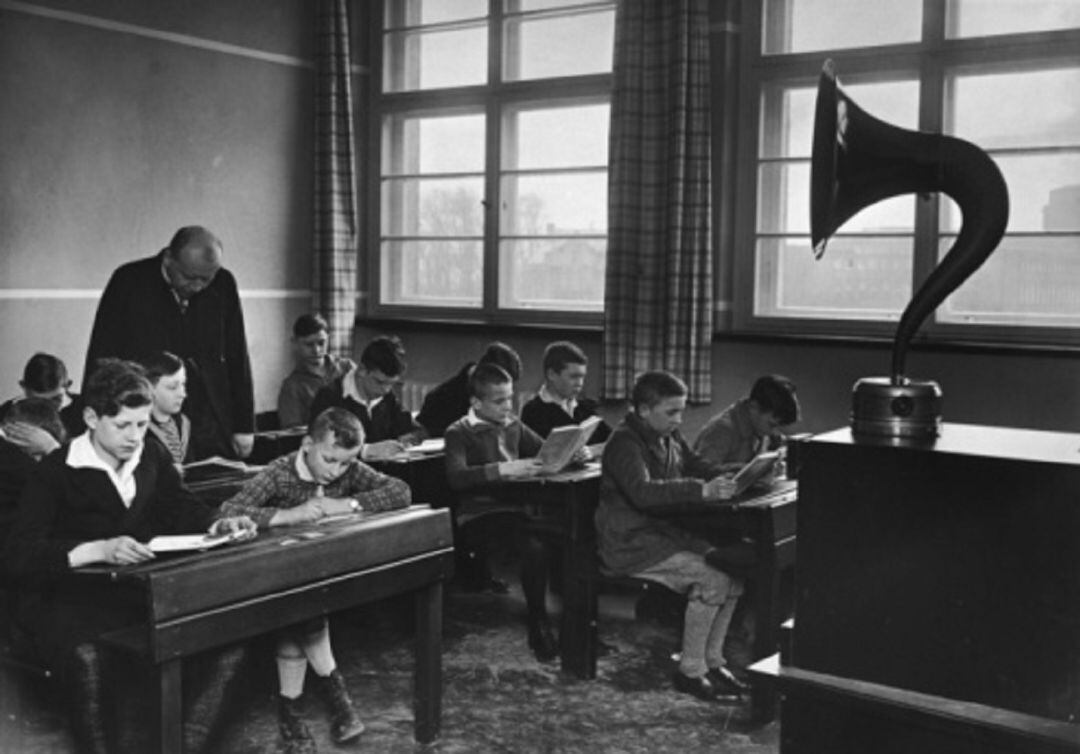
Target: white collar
569 405
349 390
82 455
475 421
302 469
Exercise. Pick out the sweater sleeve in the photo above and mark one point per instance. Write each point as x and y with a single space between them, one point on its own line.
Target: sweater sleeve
376 491
625 463
35 554
459 474
255 498
290 405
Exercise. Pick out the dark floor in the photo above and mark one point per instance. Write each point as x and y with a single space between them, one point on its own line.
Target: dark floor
496 697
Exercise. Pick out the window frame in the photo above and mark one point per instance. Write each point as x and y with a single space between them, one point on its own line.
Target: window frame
493 97
929 61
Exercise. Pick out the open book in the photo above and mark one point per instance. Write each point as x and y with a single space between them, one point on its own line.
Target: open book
563 442
759 467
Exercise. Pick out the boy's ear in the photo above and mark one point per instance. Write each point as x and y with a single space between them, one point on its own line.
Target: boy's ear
474 402
90 417
306 442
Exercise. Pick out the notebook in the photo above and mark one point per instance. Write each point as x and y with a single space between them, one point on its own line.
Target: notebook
759 467
563 442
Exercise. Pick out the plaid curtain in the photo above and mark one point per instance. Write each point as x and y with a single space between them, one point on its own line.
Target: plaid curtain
658 311
334 262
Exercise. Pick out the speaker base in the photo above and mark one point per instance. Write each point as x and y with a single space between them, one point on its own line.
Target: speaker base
910 409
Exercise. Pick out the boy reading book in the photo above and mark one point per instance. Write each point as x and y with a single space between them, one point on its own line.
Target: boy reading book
559 402
323 478
485 448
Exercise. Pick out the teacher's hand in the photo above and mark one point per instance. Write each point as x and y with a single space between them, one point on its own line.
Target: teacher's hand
243 445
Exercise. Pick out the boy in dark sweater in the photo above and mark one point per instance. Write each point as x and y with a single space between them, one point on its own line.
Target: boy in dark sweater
559 402
484 448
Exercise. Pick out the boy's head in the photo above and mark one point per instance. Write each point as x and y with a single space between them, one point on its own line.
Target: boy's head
310 337
382 363
38 412
491 393
45 376
565 366
168 382
504 356
659 399
332 444
117 398
773 404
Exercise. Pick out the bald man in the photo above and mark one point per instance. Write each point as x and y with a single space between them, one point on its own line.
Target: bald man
182 300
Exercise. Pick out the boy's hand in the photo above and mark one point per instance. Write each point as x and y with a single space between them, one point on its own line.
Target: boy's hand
337 506
125 550
377 451
239 527
719 488
243 444
519 469
34 441
582 456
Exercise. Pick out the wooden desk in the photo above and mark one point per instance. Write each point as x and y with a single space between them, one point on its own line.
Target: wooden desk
199 601
572 498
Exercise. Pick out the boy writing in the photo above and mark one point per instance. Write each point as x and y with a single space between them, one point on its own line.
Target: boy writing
559 401
315 368
647 466
750 425
322 478
168 388
367 391
99 500
487 446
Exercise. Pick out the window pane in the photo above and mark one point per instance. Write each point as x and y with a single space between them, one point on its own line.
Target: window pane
435 59
1026 281
556 137
805 25
415 144
976 18
572 45
555 274
858 278
419 12
1044 194
432 273
784 204
554 204
433 207
1021 109
788 113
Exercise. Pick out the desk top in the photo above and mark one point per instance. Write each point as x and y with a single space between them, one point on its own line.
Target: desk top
280 558
975 440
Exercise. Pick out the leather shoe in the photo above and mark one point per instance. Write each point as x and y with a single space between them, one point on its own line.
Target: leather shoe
542 642
724 680
702 688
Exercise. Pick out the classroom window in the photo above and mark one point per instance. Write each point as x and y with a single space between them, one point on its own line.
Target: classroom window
1002 75
492 195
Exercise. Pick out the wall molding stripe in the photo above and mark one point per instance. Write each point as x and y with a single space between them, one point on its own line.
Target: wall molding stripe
166 36
75 294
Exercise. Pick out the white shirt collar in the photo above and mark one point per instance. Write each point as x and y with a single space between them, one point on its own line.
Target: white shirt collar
473 420
349 390
302 469
82 455
569 406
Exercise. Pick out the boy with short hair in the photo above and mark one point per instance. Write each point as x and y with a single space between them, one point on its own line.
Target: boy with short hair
750 425
168 388
99 499
368 392
647 467
315 368
323 478
483 448
46 376
449 400
558 402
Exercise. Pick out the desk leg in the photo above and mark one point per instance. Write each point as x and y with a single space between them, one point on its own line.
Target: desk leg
170 707
427 694
577 635
772 558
